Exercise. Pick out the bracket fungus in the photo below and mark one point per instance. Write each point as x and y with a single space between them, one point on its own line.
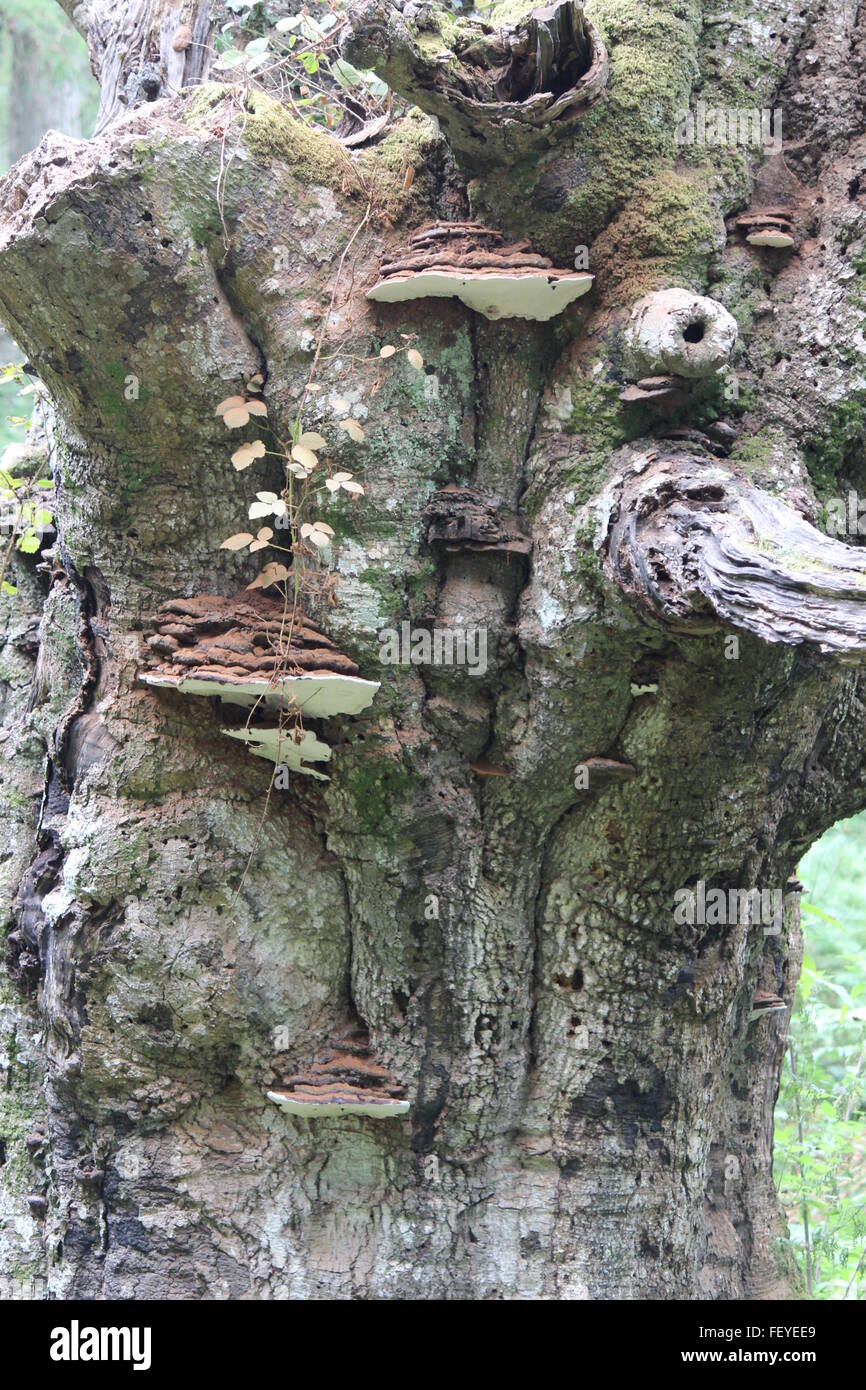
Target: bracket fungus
770 226
695 546
293 747
483 768
656 390
765 1002
676 333
499 91
473 263
345 1079
249 650
459 518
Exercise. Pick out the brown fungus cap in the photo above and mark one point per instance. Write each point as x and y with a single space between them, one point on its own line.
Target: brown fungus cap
767 226
248 648
345 1079
459 518
765 1002
671 390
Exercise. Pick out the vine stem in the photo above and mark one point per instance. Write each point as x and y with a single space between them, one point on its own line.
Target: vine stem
296 589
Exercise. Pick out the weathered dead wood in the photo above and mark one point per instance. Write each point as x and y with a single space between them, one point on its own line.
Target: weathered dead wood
692 544
160 48
504 90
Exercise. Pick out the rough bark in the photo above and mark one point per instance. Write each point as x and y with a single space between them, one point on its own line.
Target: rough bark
590 1108
144 49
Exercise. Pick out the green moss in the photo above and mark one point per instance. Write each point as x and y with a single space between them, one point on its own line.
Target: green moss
271 132
388 587
135 474
16 1116
409 145
378 788
587 560
144 156
510 11
827 451
760 450
662 237
622 138
737 74
202 102
421 589
18 805
601 423
430 44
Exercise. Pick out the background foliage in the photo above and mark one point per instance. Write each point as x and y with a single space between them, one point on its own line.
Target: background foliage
820 1157
45 82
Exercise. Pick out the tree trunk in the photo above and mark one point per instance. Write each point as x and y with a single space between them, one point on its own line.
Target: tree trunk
671 686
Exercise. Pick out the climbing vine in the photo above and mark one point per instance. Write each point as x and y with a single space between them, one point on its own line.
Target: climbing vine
308 473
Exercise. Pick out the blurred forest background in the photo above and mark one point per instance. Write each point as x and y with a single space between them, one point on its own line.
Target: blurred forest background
46 83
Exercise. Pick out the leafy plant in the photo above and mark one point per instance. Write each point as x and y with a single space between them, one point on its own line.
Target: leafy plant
24 512
298 59
307 468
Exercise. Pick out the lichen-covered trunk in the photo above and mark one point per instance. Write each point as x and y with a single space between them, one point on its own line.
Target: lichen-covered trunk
487 884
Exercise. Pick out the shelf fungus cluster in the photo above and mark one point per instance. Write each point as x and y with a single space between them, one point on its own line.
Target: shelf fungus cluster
473 263
460 519
345 1079
499 91
249 650
767 226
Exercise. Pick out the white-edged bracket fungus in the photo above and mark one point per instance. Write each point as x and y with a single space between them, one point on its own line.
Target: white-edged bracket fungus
248 651
345 1079
472 263
771 226
285 746
677 333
